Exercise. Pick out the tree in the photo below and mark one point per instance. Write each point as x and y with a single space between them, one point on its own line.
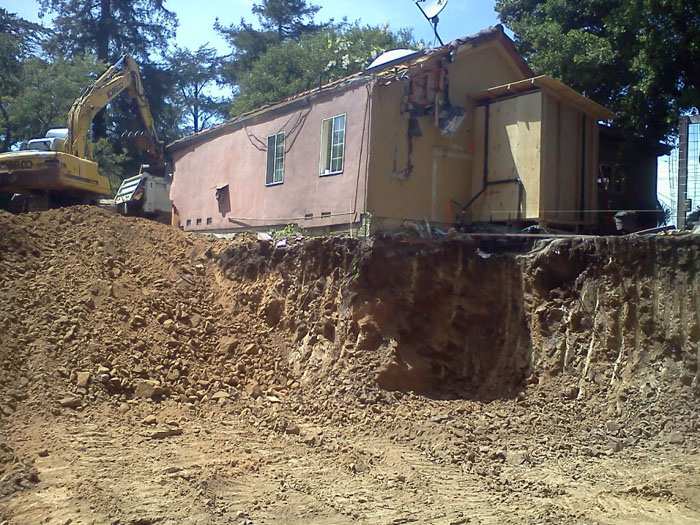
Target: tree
280 20
194 74
112 164
19 38
109 29
641 58
294 66
287 18
27 35
48 90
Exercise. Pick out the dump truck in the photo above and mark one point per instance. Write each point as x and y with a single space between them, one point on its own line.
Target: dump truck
59 169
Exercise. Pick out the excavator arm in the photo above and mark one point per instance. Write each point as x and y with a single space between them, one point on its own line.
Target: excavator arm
122 76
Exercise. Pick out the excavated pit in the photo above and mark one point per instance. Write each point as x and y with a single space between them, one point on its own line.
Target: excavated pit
421 316
440 317
446 318
145 308
618 313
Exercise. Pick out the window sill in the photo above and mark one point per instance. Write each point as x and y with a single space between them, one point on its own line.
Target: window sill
268 185
331 173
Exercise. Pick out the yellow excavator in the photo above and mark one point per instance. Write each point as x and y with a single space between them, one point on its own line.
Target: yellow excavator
59 170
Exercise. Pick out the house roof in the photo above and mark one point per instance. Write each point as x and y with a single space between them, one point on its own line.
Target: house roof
551 85
387 71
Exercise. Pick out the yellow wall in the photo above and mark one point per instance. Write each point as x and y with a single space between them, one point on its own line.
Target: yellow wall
478 68
440 181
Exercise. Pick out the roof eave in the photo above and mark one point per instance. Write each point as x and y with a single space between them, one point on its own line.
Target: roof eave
552 85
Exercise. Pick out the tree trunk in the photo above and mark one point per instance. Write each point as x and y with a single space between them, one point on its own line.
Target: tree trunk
104 33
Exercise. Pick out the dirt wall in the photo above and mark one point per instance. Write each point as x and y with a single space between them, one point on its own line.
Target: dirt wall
616 313
448 319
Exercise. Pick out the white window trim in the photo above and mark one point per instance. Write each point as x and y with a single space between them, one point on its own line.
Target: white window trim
284 159
321 166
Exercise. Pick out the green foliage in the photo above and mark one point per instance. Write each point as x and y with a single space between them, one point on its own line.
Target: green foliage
287 18
194 73
294 66
48 89
641 58
293 53
18 39
116 166
27 36
110 28
280 20
290 230
10 71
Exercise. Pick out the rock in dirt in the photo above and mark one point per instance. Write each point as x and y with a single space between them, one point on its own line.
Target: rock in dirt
292 429
254 390
516 458
82 379
615 445
144 389
675 438
165 433
70 402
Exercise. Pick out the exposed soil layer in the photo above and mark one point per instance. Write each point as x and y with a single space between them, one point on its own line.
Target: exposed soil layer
150 376
432 318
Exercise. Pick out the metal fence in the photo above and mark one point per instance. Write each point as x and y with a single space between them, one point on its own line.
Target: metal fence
688 168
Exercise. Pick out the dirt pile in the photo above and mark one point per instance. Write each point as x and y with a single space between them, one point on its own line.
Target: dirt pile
99 306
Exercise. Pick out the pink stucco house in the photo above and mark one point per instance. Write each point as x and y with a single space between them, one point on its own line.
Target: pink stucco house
465 132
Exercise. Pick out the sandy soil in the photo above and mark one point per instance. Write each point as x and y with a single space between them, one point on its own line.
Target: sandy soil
228 466
148 376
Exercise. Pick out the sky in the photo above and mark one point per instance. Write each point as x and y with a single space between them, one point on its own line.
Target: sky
460 18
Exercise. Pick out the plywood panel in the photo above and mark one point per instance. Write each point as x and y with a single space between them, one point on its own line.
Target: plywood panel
550 187
474 212
569 174
570 189
513 154
538 138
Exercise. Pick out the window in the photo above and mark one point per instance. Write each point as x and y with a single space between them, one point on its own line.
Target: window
189 222
333 145
275 159
199 221
209 220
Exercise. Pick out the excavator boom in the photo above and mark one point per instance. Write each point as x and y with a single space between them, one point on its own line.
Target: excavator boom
122 76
